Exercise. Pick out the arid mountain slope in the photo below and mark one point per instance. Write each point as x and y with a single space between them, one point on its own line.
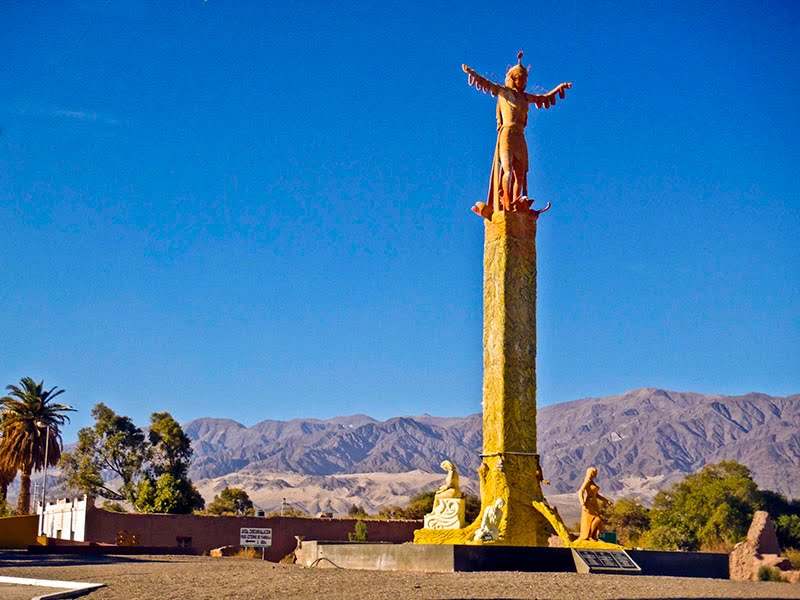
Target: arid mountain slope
640 441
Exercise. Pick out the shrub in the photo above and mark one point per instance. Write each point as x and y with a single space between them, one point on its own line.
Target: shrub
766 573
787 527
357 512
248 553
794 557
629 518
231 501
706 509
112 506
360 534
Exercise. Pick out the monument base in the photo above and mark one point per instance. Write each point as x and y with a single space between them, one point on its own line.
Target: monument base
444 558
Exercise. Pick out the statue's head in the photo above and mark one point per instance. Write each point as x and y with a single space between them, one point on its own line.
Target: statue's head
517 76
591 473
447 466
499 503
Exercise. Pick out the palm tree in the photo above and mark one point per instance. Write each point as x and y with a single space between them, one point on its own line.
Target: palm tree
7 475
28 417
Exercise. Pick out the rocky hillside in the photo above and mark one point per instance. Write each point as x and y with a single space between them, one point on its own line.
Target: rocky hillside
640 441
652 435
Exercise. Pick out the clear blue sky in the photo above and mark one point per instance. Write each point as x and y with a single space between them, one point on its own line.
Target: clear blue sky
261 210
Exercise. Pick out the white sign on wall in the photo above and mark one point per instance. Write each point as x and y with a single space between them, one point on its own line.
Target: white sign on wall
256 537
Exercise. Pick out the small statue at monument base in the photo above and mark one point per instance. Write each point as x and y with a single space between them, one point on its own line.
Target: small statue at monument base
448 506
489 531
590 498
450 487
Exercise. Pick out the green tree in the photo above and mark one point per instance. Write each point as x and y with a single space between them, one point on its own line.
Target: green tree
111 506
166 487
288 511
231 501
113 450
709 508
391 512
472 507
7 475
419 505
360 533
629 518
152 470
172 448
167 494
422 503
357 512
787 526
30 422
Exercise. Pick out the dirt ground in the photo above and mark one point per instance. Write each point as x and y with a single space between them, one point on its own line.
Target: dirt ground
200 577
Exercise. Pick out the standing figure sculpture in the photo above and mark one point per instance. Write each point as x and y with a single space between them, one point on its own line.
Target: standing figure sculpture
508 187
589 497
450 488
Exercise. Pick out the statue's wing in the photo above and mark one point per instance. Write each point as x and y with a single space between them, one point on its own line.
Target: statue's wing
480 82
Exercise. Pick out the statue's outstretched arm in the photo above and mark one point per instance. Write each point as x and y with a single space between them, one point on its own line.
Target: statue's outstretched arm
481 83
549 99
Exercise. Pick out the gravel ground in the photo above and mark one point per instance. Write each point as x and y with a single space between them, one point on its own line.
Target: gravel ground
200 577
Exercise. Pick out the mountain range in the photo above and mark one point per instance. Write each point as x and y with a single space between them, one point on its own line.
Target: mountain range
639 441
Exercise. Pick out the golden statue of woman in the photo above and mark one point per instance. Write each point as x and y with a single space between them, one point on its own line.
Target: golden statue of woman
590 498
508 188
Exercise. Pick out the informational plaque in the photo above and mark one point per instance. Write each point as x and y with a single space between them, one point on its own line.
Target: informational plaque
603 561
255 537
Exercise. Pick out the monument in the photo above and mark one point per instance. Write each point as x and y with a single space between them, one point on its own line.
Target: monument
515 521
510 473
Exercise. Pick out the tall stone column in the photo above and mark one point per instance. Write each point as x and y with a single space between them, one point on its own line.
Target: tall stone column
510 462
509 376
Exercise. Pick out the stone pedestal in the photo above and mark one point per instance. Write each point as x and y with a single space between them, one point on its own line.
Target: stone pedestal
509 385
449 514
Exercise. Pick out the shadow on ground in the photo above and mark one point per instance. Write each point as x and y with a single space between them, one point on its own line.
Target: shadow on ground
22 558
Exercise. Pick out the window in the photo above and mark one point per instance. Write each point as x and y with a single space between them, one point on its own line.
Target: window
183 541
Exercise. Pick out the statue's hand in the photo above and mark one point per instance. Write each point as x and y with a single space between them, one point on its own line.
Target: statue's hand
567 85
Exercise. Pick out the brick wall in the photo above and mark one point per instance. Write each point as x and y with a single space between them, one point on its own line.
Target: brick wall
207 532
